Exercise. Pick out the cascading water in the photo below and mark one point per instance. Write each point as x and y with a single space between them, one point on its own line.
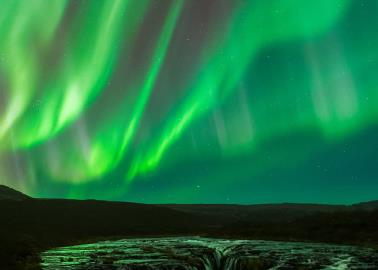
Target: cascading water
180 253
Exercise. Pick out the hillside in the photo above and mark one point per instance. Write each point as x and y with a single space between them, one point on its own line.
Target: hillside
7 193
232 213
30 225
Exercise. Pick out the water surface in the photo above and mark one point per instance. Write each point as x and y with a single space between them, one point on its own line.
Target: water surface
196 253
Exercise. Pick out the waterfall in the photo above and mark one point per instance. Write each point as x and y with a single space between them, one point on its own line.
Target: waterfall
206 254
230 263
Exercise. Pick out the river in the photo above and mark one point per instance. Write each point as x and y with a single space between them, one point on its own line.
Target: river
197 253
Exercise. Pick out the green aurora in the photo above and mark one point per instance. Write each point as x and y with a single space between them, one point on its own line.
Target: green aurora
211 101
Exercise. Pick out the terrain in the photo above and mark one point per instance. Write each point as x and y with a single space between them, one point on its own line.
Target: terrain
199 253
29 226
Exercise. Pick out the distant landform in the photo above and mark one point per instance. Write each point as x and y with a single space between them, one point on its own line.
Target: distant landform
29 226
7 193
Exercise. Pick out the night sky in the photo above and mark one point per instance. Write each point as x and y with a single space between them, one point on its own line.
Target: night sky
208 101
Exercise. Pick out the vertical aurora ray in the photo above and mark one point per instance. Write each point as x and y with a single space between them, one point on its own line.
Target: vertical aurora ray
273 22
83 72
109 144
153 72
335 98
210 101
19 62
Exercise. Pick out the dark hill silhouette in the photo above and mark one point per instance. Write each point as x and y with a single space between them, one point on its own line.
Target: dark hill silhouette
62 219
29 225
7 193
231 213
372 205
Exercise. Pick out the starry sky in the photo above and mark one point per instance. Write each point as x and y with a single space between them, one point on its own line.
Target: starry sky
211 101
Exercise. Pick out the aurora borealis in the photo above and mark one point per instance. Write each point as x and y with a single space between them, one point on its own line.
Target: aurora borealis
211 101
